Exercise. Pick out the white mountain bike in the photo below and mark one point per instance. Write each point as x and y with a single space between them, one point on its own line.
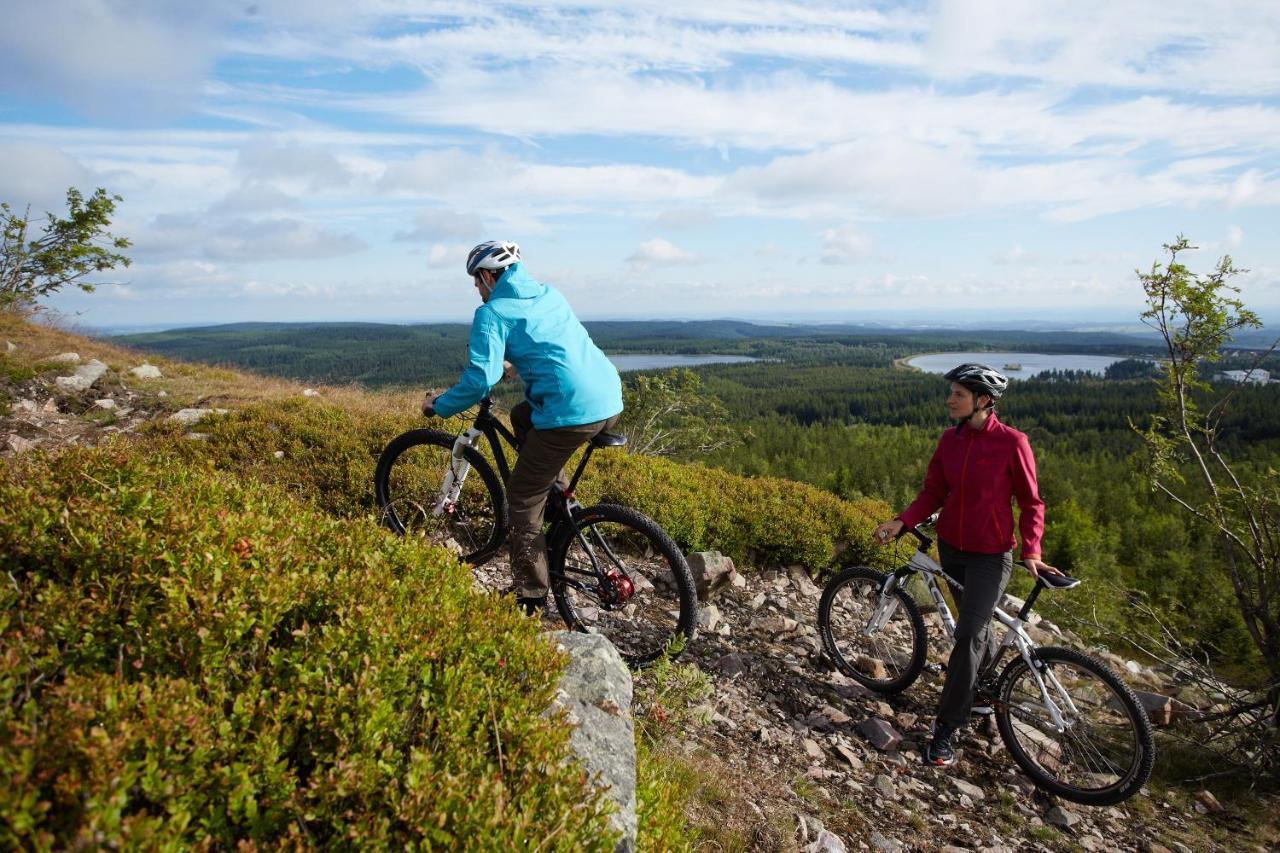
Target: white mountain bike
1069 722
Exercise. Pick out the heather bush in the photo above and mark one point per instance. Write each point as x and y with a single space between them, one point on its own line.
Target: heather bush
187 660
329 454
759 520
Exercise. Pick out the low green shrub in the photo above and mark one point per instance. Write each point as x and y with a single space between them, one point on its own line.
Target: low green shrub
187 661
329 454
759 520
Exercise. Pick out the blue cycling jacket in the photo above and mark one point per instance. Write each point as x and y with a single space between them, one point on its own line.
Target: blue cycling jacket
567 379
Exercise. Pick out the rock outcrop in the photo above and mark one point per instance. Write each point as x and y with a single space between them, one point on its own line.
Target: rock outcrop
595 694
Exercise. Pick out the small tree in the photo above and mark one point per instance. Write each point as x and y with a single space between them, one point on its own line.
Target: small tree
666 414
66 251
1196 315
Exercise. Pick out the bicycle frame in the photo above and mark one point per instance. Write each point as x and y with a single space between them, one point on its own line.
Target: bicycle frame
1015 634
561 504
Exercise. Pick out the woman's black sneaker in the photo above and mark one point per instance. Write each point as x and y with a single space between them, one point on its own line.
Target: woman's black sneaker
940 752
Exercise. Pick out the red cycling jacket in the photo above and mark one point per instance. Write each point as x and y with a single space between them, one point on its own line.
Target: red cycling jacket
973 475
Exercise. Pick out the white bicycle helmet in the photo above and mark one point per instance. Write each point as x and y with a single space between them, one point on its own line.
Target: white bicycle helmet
980 379
493 255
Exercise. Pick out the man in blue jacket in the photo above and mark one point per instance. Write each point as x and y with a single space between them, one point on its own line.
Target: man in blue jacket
572 392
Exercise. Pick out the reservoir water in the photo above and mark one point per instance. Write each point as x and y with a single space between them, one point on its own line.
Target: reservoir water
1028 363
660 361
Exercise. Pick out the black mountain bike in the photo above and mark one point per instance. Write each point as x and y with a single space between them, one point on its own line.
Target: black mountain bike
613 571
1069 722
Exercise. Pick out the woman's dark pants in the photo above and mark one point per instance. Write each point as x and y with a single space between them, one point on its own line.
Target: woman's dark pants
984 577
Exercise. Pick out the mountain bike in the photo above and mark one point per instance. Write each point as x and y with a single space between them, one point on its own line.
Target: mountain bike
1069 722
613 570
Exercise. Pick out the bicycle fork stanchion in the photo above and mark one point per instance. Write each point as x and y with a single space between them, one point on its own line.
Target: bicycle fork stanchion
459 467
886 606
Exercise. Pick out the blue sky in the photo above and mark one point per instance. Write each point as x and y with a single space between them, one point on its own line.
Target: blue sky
324 160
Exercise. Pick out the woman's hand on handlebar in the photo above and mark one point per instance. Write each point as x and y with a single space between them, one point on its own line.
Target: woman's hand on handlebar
887 532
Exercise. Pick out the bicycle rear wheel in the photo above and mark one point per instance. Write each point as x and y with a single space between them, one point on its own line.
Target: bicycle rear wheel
647 606
878 643
1104 752
408 483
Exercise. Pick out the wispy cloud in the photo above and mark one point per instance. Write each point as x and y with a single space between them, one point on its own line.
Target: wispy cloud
320 147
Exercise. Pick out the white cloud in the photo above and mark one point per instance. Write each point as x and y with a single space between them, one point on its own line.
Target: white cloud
844 245
271 160
240 239
435 223
1234 238
660 252
39 175
449 255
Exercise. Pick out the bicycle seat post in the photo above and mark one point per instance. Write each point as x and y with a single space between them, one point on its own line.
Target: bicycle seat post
582 466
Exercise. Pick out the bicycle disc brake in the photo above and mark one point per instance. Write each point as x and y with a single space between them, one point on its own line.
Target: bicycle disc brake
616 589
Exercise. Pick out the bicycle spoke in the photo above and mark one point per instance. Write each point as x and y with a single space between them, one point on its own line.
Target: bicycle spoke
1097 749
885 658
409 483
618 579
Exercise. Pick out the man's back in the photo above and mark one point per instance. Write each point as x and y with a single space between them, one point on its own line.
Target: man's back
568 380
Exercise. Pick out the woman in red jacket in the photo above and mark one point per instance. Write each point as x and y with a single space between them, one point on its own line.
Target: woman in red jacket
979 467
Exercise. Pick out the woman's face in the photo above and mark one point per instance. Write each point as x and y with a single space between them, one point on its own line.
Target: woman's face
961 403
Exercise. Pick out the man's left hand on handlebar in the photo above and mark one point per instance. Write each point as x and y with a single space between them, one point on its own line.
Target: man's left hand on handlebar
429 403
1036 567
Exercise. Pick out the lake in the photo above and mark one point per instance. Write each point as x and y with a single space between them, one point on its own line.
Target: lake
659 361
1032 363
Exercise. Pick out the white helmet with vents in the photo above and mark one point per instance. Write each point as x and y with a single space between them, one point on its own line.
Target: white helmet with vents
493 255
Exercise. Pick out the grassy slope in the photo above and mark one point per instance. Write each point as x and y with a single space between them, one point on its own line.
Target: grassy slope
185 571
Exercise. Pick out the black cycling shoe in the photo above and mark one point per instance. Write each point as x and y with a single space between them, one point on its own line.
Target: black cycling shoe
532 606
940 752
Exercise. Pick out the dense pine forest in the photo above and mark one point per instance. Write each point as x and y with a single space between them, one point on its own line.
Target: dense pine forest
836 407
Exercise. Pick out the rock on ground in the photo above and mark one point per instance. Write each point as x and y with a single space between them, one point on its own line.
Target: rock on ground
712 571
84 377
596 692
188 417
146 371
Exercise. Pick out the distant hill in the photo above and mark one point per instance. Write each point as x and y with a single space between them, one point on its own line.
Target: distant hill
383 354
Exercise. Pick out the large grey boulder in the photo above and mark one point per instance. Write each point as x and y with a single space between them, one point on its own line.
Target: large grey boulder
83 378
595 693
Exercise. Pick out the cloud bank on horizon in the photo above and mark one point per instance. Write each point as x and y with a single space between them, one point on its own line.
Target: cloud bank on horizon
316 160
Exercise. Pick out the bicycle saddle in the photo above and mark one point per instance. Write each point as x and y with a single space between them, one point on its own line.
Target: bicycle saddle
608 439
1060 581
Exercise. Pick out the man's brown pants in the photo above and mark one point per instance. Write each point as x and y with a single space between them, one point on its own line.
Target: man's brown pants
543 454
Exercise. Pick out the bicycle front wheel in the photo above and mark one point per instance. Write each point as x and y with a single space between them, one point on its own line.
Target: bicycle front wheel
877 641
623 577
1104 750
471 520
